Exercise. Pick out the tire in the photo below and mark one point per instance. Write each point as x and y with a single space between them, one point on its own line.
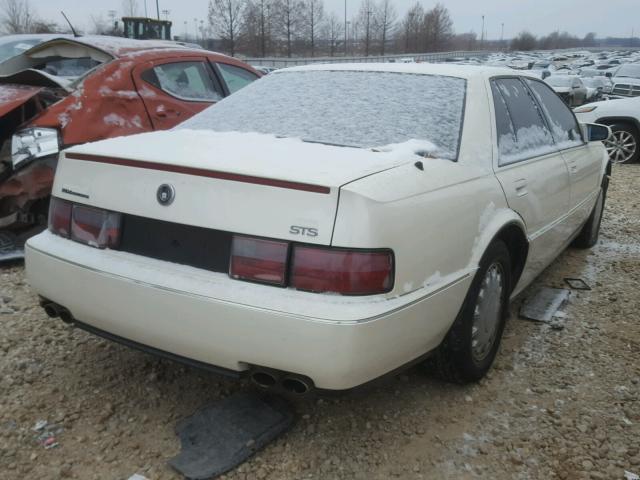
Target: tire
588 236
462 357
624 145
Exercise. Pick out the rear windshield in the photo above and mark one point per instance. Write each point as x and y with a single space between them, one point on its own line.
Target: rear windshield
351 108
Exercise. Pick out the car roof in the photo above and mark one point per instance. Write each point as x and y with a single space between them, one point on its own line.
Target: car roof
449 70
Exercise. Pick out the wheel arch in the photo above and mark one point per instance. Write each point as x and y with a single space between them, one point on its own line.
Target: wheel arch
610 120
509 227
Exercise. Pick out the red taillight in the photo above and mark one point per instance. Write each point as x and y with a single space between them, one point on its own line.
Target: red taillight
259 260
347 272
95 227
60 217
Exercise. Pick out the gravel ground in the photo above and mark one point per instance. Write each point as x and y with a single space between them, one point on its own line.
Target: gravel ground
558 403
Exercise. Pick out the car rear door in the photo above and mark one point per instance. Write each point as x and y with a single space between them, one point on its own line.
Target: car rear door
532 172
584 161
174 89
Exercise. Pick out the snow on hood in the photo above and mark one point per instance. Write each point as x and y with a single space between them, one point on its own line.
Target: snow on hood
257 154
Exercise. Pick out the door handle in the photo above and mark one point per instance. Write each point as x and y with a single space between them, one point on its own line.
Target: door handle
164 113
573 166
521 187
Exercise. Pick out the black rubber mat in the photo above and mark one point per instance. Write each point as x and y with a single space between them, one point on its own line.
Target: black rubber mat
10 247
221 436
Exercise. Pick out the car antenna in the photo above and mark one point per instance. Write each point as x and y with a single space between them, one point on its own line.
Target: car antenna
75 34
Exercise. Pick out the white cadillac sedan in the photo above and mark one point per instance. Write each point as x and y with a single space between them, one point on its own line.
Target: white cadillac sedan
326 225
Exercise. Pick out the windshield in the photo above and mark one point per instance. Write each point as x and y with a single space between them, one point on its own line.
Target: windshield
11 48
632 71
350 108
559 81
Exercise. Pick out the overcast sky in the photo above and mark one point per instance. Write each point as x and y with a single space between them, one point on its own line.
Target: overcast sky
605 17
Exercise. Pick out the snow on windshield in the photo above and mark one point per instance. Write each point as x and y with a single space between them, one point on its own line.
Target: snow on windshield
632 71
353 108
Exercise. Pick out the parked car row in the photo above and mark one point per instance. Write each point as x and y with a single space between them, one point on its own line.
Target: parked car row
319 229
602 87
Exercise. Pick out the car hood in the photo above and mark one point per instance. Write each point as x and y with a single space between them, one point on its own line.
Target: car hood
254 154
12 96
626 80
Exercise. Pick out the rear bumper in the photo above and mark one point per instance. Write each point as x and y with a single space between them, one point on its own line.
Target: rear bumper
338 342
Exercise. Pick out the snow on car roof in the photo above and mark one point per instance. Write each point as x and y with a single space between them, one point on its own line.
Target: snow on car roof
460 71
114 46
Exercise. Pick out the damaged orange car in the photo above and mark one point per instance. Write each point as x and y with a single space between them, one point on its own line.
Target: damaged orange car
68 91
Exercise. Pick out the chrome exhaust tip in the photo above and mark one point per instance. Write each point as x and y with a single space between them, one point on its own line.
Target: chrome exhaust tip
263 379
295 385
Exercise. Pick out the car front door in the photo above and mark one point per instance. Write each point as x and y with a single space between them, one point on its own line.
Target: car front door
584 160
174 89
532 172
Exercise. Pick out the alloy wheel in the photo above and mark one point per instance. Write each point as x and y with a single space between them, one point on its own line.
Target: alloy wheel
486 316
621 147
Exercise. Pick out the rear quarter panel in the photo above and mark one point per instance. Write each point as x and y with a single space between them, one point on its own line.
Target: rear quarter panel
105 105
436 221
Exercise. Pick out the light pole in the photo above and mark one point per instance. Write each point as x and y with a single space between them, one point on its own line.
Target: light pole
501 33
186 31
345 27
158 9
482 34
146 14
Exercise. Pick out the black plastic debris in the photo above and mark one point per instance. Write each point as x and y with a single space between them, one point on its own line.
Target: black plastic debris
576 284
544 303
221 436
10 247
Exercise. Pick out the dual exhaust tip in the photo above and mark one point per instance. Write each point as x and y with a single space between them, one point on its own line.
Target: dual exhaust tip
289 383
53 310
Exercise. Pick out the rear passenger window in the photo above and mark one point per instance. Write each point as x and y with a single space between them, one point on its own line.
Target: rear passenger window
564 127
184 80
529 136
236 77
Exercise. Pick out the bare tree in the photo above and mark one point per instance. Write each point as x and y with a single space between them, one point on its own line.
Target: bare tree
16 16
225 21
386 22
411 28
438 28
256 26
366 18
290 14
332 31
130 8
524 41
313 18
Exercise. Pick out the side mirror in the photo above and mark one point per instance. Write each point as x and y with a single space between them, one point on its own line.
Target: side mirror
608 74
545 74
596 132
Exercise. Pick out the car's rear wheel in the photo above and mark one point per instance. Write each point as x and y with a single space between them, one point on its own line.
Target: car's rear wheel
588 236
468 350
624 144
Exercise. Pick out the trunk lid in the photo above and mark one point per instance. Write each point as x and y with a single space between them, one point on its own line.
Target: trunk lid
13 96
246 183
